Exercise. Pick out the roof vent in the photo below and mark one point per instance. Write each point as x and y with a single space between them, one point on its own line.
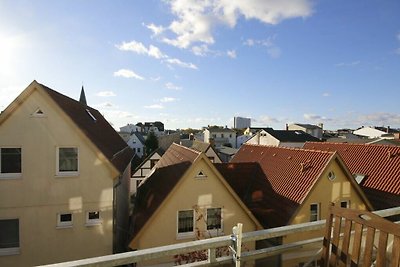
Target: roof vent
331 176
38 113
290 157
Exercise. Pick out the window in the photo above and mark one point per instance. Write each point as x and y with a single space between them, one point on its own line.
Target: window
138 149
201 175
10 162
345 204
9 237
67 161
185 223
222 135
64 220
214 218
314 212
93 218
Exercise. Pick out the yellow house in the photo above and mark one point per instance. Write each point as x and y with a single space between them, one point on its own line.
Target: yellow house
285 186
185 199
64 181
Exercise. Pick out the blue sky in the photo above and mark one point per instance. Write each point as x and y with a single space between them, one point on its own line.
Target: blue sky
194 63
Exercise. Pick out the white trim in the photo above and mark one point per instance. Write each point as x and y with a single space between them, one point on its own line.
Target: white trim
66 224
93 222
185 235
65 173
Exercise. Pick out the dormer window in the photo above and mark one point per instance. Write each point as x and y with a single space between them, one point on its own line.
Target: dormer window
38 113
201 175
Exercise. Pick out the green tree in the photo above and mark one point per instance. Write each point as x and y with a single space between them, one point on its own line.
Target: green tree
151 143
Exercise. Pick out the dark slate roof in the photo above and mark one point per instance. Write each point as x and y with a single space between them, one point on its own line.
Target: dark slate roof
252 186
153 190
219 129
140 137
96 129
307 126
292 136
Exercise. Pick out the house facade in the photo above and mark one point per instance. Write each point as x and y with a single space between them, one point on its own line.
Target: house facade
286 186
313 130
375 132
186 199
64 181
136 142
283 138
220 136
207 149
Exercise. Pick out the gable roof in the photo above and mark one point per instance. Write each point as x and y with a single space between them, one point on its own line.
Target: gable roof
380 164
219 129
200 146
139 137
291 172
307 126
295 136
252 186
91 123
154 189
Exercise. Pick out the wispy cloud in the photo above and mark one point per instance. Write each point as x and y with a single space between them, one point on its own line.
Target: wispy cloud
154 28
154 52
379 119
106 94
348 64
315 117
201 50
195 20
273 50
172 86
175 61
127 74
107 105
154 106
397 51
167 99
326 94
231 53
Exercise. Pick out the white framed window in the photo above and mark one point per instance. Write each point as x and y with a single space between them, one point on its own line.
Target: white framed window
10 162
314 212
67 161
64 220
93 218
185 225
214 219
9 237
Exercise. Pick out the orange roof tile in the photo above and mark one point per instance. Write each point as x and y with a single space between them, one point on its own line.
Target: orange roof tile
380 163
291 172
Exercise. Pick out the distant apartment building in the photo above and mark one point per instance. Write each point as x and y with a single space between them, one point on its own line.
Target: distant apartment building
241 123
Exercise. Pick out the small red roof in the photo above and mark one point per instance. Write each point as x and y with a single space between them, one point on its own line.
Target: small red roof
291 172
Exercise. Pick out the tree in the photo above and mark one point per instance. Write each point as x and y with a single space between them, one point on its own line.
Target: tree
151 143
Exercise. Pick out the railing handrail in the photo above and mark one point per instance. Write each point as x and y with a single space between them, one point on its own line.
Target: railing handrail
213 243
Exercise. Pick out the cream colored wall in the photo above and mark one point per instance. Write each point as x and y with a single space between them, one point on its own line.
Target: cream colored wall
37 197
324 192
211 153
208 192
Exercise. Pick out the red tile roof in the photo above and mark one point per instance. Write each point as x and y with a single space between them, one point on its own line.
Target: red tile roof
291 172
153 191
380 164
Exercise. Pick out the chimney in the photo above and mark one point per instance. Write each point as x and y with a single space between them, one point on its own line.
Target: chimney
321 125
388 129
287 127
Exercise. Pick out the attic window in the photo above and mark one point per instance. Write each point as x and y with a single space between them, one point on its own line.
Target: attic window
91 115
331 176
201 174
359 177
38 113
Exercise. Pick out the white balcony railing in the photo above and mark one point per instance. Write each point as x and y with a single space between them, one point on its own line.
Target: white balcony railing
212 244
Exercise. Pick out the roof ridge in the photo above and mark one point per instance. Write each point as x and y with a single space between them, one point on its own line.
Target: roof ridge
354 144
294 148
187 148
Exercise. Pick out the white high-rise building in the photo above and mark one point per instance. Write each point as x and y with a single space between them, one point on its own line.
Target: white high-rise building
241 123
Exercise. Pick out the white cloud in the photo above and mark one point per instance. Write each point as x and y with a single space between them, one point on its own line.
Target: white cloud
265 120
155 106
155 79
139 48
380 119
314 117
201 50
231 53
180 63
106 94
348 64
167 99
195 20
154 28
127 74
172 86
106 105
326 94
